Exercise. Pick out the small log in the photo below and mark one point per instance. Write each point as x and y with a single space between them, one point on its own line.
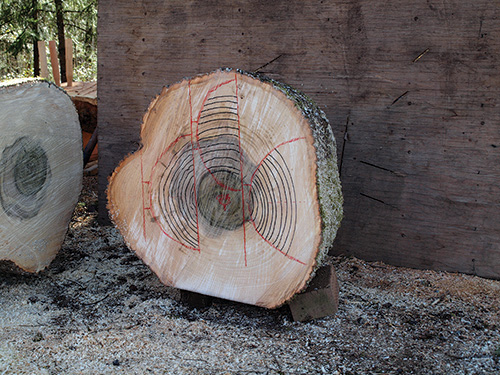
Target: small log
235 192
40 171
84 96
320 299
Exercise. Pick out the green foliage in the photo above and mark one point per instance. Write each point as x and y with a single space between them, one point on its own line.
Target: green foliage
23 22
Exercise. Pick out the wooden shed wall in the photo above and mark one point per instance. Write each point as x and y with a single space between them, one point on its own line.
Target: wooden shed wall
411 89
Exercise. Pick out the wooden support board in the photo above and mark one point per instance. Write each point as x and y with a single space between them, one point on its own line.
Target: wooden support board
320 299
42 52
412 93
54 62
68 45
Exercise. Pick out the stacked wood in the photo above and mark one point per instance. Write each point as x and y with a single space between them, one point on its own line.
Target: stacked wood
40 171
235 192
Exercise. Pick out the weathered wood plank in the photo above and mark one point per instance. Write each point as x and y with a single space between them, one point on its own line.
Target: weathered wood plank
320 299
423 167
414 89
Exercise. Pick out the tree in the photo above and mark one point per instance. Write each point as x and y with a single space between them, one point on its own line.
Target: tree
61 38
23 22
19 27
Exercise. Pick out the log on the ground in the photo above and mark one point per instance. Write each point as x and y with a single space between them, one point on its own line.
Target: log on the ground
40 171
235 192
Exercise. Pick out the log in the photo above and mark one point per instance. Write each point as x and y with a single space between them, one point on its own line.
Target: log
235 191
44 72
40 171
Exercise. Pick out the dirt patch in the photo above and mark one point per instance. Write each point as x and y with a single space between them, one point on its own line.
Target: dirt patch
99 310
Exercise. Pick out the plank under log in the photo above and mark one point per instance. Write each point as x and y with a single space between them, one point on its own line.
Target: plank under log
320 299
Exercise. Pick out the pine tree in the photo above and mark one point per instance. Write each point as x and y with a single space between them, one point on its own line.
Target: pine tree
24 22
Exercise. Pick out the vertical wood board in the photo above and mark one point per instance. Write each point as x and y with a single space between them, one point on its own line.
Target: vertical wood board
411 92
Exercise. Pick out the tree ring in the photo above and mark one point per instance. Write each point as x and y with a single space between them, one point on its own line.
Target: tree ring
24 178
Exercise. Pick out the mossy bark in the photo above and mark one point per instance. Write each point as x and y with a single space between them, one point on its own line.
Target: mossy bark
327 173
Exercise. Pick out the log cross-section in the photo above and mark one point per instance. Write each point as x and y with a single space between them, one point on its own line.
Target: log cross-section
40 171
235 191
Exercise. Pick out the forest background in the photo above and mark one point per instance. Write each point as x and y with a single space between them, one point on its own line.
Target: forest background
24 22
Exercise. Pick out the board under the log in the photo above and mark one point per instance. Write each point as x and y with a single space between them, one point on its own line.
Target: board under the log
235 192
320 299
40 171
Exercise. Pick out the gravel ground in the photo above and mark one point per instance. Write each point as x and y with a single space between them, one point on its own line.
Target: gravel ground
99 310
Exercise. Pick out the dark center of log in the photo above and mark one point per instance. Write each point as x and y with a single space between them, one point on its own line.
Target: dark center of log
30 170
221 200
24 171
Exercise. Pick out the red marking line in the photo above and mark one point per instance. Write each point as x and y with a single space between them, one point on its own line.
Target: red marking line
224 200
270 152
166 150
274 247
193 144
143 209
241 169
151 196
251 182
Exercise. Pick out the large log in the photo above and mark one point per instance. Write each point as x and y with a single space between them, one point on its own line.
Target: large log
40 171
235 192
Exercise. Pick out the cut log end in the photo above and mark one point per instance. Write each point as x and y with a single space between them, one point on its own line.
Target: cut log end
235 192
40 171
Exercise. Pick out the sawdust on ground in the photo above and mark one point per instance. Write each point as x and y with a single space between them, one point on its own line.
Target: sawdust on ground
99 310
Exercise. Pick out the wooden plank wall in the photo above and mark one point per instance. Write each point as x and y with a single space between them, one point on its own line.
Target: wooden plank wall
411 89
